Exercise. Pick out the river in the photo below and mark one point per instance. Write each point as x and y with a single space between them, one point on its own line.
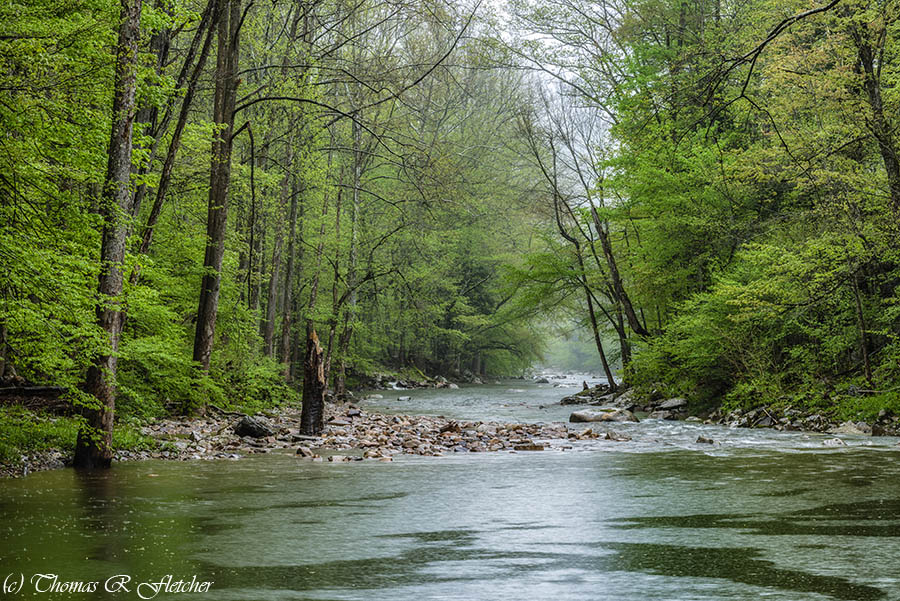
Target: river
758 515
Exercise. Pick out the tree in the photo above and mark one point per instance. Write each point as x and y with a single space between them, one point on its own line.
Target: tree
94 446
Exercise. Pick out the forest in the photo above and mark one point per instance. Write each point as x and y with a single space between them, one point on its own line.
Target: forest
239 203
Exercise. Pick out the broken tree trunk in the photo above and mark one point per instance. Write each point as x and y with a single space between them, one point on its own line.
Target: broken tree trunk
312 417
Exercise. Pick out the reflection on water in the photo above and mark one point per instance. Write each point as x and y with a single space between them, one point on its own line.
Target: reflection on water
774 520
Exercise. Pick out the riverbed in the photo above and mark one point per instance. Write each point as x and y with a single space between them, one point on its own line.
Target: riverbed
757 514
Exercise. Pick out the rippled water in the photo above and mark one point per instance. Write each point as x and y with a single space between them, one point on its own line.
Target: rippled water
761 515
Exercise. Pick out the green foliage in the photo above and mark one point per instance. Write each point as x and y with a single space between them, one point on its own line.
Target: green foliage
23 431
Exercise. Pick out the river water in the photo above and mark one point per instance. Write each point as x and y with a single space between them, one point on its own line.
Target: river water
759 515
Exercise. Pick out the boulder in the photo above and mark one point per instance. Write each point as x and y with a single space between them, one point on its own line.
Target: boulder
542 381
403 398
765 421
304 452
528 447
834 442
704 440
619 415
668 415
575 399
253 427
853 429
673 404
452 386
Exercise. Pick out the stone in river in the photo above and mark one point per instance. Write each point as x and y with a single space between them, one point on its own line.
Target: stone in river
853 429
834 442
403 398
619 415
529 447
253 427
704 440
542 381
663 415
673 404
304 452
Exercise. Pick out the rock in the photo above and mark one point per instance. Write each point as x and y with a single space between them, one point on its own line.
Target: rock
611 435
195 436
673 404
253 427
574 400
304 452
834 442
704 440
528 447
353 412
852 429
626 399
336 421
694 419
403 398
619 415
765 421
451 386
542 381
668 415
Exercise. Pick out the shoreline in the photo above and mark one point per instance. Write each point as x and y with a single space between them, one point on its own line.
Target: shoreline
351 434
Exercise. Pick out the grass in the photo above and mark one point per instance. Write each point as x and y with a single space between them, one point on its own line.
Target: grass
23 431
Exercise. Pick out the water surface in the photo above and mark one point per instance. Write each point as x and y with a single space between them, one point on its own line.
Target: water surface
762 515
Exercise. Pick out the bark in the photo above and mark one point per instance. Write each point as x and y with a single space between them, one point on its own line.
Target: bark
93 448
220 179
312 416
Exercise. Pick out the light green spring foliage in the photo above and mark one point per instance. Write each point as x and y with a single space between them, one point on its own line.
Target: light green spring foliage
440 206
760 216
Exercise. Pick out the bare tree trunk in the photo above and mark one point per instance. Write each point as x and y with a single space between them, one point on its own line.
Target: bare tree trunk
220 178
93 449
312 416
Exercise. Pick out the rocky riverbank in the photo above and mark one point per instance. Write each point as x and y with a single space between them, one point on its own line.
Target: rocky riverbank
351 434
782 419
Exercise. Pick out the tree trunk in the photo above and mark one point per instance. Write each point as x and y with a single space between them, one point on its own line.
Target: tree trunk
312 416
595 328
93 449
619 289
220 178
